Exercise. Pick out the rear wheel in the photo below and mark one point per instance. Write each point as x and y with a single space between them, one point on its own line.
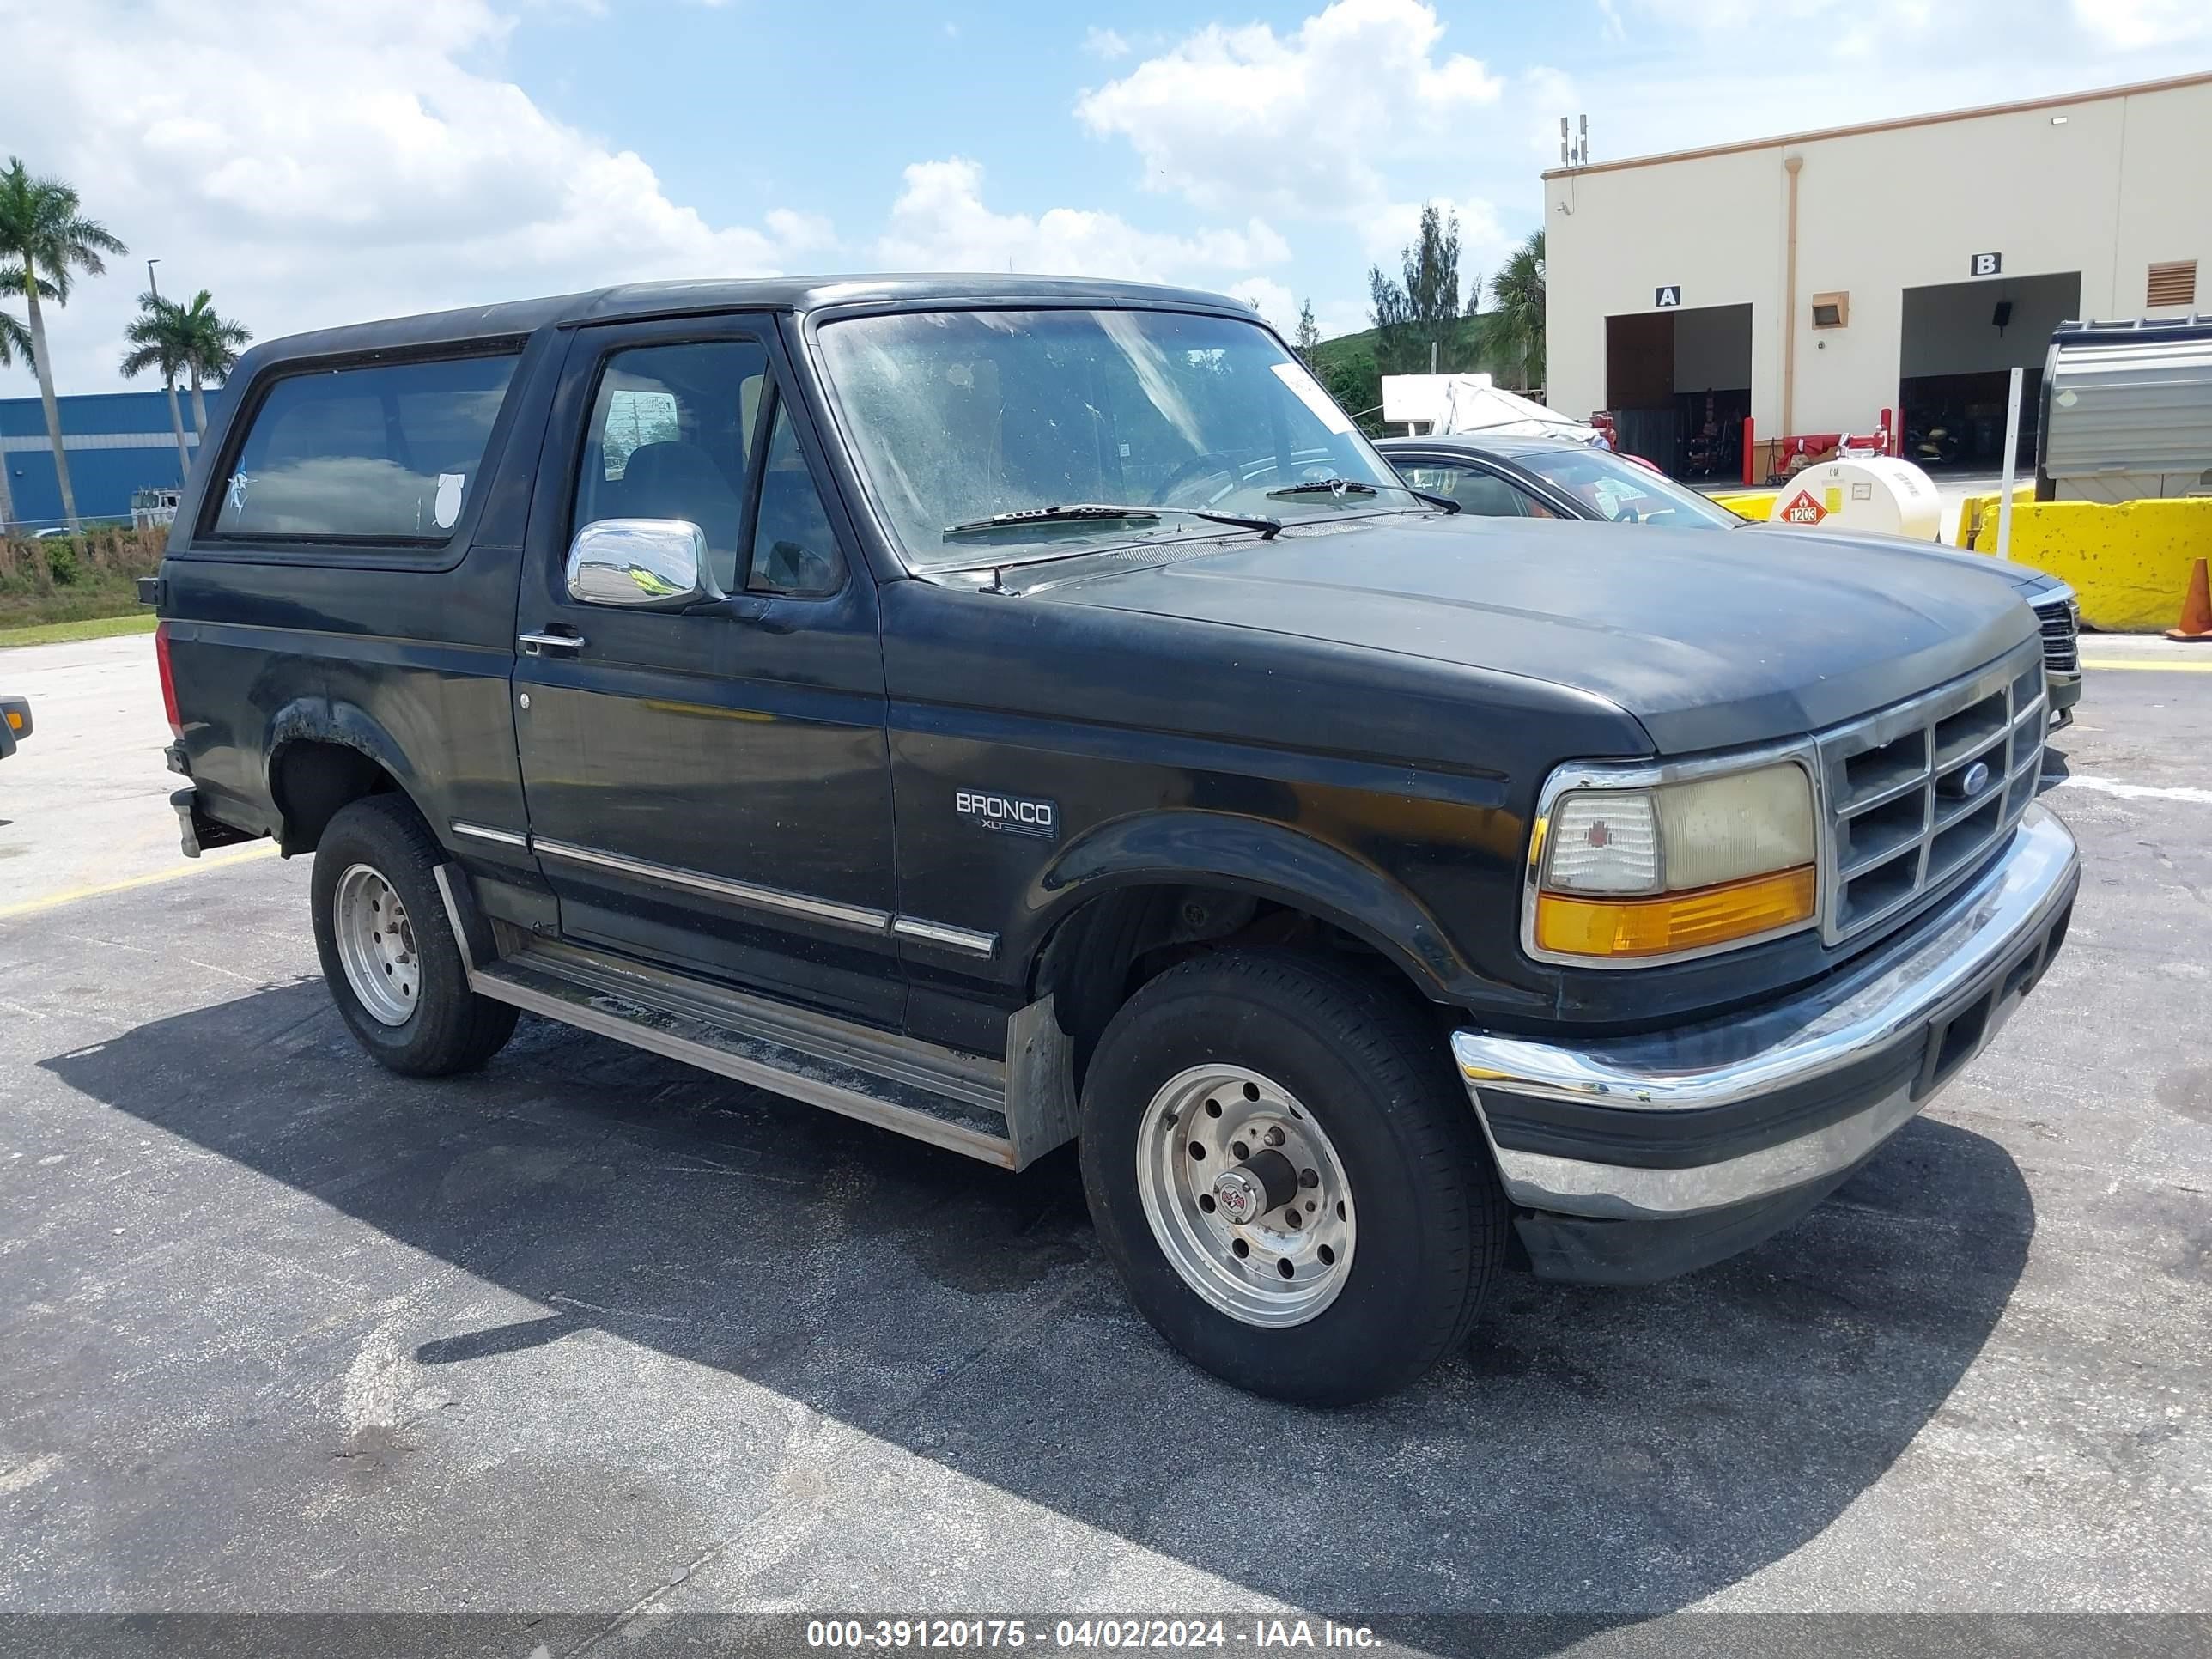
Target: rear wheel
387 949
1286 1175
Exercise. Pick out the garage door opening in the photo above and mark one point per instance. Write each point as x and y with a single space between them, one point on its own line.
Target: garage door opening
1961 341
1678 384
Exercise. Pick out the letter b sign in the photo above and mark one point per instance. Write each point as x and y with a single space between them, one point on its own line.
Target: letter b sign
1986 264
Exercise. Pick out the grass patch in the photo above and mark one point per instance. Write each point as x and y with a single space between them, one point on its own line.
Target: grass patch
76 578
96 628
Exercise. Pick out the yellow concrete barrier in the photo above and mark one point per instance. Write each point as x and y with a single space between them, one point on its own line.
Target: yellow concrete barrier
1752 503
2129 563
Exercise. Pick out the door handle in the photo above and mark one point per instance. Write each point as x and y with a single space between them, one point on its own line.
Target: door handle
536 645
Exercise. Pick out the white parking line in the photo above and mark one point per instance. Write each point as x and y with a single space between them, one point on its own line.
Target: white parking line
2138 791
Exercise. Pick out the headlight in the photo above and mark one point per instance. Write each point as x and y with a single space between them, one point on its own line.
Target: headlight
1630 874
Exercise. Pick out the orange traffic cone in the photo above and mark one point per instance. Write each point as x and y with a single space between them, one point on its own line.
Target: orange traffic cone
2196 609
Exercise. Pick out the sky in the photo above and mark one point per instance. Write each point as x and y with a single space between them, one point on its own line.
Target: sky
320 161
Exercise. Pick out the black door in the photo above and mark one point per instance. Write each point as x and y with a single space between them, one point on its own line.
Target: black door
710 788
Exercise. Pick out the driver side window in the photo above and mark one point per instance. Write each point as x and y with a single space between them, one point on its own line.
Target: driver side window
670 437
795 550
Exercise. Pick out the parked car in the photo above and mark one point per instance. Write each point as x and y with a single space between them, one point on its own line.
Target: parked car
1553 478
14 723
1011 711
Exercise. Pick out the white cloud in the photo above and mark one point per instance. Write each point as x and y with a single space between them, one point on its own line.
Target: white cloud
317 161
1393 227
940 222
2132 24
1270 298
1297 122
1991 35
1105 43
1334 318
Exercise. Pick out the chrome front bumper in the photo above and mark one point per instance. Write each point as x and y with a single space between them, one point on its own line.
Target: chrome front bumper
1680 1124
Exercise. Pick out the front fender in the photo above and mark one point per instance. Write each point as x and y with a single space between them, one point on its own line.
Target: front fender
1245 854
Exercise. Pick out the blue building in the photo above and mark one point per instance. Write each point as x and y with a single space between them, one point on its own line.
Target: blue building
117 442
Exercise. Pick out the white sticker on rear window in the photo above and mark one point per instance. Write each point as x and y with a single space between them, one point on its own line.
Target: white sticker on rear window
1294 376
448 506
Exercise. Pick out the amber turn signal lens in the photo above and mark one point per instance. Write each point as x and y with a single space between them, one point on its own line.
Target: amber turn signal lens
1675 921
15 721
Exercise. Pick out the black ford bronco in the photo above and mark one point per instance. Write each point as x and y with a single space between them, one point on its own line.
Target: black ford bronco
1012 711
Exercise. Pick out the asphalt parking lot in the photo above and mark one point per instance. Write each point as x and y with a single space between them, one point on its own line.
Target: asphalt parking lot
594 1337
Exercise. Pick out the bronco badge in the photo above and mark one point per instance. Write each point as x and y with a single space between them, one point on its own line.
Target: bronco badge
1011 815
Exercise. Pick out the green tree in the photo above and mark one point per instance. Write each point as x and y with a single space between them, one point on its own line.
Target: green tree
211 350
1356 384
1309 334
1416 313
1515 326
43 231
160 339
14 341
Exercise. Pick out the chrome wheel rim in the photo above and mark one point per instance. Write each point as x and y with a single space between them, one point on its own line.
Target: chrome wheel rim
376 945
1215 1199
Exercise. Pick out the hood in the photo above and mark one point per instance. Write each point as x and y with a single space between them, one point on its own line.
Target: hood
1706 650
2028 580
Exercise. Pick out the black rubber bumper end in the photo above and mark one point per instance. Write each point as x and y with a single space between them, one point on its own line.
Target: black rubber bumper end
1582 1250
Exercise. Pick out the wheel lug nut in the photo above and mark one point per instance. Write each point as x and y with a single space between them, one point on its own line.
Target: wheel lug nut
1309 1178
1274 1135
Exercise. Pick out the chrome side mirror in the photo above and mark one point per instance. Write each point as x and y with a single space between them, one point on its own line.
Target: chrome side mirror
651 564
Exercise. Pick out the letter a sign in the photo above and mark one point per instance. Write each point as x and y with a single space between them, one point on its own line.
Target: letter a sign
1669 295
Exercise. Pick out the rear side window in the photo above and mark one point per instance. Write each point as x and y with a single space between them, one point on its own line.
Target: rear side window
385 453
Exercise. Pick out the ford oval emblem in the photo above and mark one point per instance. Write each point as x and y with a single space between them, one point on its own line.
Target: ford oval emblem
1974 779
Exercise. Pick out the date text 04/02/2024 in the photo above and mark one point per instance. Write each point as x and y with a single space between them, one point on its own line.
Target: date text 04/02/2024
983 1634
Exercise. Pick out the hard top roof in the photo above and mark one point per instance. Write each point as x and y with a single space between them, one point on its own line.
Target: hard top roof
793 294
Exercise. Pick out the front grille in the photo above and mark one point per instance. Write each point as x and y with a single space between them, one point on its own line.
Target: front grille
2061 621
1902 822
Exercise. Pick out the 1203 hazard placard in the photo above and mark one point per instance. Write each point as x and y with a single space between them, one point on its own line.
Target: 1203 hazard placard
1803 509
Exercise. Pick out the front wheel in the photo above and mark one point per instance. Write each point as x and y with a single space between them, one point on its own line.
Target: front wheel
1287 1176
388 952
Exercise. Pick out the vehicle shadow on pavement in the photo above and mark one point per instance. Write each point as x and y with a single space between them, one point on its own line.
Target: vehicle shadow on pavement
1598 1454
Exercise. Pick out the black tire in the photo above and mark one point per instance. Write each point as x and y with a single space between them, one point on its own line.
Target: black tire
452 1028
1375 1075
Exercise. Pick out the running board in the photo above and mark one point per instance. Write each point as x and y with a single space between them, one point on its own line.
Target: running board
938 1095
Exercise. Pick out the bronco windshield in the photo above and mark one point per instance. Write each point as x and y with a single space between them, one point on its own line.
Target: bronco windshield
957 417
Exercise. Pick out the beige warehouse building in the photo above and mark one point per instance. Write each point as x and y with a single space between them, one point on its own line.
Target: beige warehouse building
1814 280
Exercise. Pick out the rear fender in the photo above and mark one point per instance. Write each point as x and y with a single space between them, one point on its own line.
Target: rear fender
345 725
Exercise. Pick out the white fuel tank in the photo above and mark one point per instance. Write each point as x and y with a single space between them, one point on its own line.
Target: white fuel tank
1871 494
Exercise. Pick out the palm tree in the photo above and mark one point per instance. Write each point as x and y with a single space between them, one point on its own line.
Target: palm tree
161 339
42 230
14 341
1518 324
212 343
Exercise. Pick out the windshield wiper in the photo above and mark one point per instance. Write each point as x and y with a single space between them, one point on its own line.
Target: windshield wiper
1355 487
1074 512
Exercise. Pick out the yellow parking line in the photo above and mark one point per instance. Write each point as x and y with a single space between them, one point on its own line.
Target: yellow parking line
151 879
2148 664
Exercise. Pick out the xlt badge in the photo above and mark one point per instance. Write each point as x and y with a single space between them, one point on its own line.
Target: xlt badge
1011 815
